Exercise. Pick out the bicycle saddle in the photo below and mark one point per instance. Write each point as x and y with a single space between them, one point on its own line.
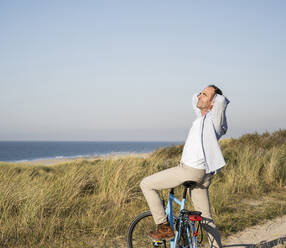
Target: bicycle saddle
190 184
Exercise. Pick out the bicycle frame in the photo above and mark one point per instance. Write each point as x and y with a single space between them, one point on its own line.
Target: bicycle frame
169 212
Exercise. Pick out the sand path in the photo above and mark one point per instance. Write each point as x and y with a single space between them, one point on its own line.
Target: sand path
270 234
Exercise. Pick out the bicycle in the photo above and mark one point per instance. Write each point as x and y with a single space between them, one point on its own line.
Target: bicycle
187 225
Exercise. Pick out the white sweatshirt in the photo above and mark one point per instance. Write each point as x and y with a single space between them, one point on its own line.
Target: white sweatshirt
201 148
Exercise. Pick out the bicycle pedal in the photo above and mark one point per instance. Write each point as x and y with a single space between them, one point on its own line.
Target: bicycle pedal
156 243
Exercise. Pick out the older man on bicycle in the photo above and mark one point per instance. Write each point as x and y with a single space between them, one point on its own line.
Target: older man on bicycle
201 158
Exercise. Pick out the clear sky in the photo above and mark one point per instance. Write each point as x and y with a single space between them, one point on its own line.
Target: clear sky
126 70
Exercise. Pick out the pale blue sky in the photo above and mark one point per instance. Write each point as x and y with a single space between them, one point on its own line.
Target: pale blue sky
126 70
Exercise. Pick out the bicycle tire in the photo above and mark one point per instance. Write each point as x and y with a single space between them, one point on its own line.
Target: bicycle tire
137 235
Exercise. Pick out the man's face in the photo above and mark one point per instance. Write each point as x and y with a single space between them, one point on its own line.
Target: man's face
205 98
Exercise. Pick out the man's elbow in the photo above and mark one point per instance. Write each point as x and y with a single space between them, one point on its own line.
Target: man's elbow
220 130
221 101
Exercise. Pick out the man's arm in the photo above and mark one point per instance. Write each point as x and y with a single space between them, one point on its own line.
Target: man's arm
218 114
194 103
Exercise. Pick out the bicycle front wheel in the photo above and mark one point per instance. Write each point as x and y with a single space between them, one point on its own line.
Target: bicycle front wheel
137 236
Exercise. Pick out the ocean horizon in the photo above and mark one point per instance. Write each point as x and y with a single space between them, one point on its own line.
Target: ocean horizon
24 151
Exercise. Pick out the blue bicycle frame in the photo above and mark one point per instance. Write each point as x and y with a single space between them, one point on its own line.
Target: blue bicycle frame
169 212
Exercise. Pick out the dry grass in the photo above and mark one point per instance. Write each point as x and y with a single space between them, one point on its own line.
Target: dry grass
91 203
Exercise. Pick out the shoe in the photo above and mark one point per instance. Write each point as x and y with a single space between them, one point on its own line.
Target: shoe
164 231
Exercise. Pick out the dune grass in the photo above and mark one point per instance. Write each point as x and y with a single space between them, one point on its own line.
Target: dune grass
91 203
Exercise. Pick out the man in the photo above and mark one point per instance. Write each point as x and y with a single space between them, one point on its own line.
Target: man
201 158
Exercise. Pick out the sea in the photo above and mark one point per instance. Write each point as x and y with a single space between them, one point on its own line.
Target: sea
25 151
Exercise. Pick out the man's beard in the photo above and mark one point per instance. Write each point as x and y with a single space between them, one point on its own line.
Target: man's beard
201 106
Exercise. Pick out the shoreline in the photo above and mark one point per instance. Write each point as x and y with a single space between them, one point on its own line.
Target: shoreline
61 160
55 161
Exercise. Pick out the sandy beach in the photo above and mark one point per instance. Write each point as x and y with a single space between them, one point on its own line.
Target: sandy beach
56 161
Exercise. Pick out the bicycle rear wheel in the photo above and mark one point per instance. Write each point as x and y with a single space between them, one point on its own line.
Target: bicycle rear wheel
137 235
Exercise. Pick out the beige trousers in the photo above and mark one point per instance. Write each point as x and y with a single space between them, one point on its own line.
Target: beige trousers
172 178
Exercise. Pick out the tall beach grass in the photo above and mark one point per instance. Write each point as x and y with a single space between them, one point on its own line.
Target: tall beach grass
91 203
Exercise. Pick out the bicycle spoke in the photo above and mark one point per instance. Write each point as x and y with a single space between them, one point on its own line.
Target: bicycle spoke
139 230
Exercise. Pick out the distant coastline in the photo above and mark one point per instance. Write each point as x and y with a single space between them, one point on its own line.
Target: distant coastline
35 151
